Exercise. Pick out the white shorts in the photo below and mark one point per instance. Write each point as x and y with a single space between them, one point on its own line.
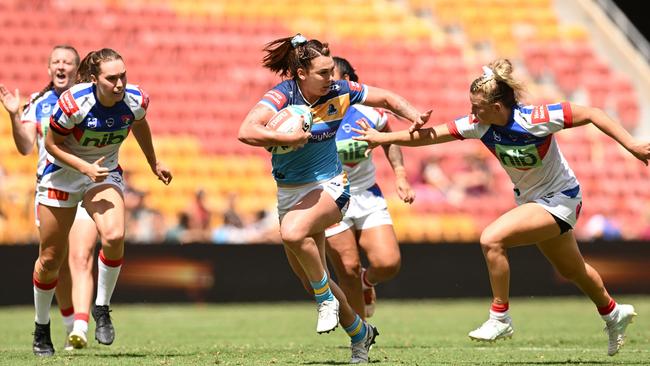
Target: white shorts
63 187
338 188
564 205
367 209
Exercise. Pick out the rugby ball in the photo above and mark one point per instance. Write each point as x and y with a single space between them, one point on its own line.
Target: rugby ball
287 120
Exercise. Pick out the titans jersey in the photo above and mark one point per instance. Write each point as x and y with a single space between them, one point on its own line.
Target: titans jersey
39 112
92 130
526 148
317 160
360 169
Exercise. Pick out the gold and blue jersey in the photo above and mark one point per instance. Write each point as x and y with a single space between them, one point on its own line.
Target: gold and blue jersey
318 160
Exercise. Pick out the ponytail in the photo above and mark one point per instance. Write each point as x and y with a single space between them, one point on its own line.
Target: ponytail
285 56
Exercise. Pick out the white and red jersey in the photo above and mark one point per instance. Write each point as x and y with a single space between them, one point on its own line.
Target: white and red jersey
526 148
360 169
93 130
39 112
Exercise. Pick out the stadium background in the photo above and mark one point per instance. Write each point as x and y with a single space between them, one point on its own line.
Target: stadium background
200 63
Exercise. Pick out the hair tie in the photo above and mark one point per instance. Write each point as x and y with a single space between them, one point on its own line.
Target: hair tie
487 72
297 40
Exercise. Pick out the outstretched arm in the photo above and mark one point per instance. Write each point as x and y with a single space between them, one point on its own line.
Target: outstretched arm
426 136
381 98
583 115
24 134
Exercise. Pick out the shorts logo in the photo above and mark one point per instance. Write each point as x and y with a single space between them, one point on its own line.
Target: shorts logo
57 195
539 115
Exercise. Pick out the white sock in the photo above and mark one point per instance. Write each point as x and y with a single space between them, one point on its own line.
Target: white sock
68 321
106 280
611 316
502 317
81 326
42 303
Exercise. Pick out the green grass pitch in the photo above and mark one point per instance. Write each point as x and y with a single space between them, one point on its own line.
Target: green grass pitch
548 331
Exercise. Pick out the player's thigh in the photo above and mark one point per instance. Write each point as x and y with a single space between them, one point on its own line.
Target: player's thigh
105 204
563 253
343 252
527 224
312 214
380 245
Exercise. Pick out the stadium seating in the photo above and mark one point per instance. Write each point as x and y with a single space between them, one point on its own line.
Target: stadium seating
200 63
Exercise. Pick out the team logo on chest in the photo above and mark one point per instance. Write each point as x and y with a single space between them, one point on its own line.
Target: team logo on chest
110 122
331 110
46 108
92 122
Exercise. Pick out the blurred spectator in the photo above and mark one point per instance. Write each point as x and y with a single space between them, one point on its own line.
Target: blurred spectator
143 224
199 214
260 228
600 227
455 179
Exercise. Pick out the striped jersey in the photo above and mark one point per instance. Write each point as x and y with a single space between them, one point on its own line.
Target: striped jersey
318 159
92 130
360 169
525 147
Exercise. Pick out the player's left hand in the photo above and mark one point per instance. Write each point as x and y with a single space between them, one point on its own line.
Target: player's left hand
163 173
424 118
404 190
367 134
641 151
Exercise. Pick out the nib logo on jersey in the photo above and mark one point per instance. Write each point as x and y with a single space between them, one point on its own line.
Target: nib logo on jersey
103 138
521 157
351 151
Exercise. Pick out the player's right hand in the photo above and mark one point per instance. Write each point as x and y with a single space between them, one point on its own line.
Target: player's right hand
96 172
10 101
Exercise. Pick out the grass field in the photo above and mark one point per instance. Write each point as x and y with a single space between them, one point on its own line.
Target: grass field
548 331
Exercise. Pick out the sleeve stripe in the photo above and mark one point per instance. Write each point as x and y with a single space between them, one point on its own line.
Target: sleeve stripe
453 130
568 115
58 128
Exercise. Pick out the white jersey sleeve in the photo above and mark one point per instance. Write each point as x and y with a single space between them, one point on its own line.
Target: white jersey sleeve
137 100
467 127
66 114
543 120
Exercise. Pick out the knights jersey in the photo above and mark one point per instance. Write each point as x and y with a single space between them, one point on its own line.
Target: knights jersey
92 130
526 148
360 169
318 159
39 111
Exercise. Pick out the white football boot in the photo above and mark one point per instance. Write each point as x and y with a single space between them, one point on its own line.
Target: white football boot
78 339
493 330
328 316
616 328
